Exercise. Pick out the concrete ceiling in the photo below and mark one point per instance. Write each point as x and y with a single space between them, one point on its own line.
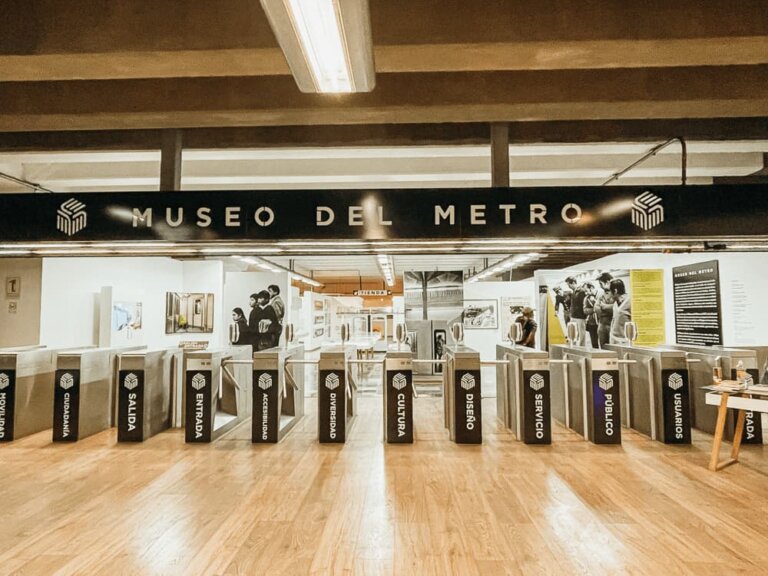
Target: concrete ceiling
143 64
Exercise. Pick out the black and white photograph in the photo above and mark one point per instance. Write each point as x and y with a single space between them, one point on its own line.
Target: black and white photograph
260 320
481 314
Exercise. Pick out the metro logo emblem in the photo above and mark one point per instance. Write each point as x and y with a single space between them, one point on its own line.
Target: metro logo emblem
332 381
606 382
399 381
131 382
537 382
198 381
467 381
4 381
71 217
647 211
675 381
265 382
66 381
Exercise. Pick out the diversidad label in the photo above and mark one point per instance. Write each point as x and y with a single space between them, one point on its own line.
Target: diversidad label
332 402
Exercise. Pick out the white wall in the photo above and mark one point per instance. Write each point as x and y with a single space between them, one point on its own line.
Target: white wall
22 327
71 287
743 283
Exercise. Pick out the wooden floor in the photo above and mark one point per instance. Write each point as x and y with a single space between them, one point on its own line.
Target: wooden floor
164 507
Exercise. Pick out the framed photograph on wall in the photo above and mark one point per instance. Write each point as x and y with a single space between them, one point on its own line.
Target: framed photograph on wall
481 314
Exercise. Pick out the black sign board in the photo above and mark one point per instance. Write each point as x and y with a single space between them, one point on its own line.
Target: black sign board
130 406
7 404
676 402
198 424
537 421
399 406
468 414
265 422
753 426
332 407
569 212
698 316
606 413
66 405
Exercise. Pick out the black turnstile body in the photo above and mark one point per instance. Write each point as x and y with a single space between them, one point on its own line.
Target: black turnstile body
26 391
216 397
655 392
462 395
703 360
147 385
523 393
585 392
336 394
278 393
398 397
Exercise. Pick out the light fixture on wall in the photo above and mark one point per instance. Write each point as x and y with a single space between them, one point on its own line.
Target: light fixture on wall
327 43
387 267
270 266
505 265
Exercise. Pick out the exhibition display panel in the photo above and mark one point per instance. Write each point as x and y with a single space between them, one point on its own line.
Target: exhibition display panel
655 392
462 395
585 392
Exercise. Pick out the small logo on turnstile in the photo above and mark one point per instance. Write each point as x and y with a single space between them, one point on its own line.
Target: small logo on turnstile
537 382
675 381
66 381
265 382
606 382
4 381
131 382
198 381
399 381
467 382
332 381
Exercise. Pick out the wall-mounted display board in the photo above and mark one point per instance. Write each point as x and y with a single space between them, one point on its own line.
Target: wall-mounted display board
698 312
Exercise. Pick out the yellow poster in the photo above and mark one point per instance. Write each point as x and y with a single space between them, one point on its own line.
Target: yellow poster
648 306
555 332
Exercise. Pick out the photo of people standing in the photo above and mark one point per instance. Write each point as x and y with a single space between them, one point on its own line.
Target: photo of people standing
264 323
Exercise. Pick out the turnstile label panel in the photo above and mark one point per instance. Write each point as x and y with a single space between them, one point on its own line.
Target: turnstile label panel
753 427
266 410
130 406
606 415
198 425
676 406
468 417
399 406
7 404
537 419
66 405
332 406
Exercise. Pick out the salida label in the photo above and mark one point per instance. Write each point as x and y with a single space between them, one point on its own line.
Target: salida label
130 415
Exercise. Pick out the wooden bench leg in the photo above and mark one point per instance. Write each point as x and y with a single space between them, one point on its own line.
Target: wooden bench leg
737 435
722 412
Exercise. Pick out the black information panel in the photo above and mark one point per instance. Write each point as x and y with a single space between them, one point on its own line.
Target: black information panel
266 413
198 425
676 398
399 406
332 407
606 422
130 406
753 427
537 421
468 416
698 316
66 405
7 404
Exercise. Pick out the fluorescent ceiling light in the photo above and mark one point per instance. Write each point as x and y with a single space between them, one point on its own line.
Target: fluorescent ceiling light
276 268
327 43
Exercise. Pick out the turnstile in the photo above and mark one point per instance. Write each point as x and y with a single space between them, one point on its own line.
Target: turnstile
462 395
585 392
655 392
701 361
336 394
217 397
26 393
523 392
148 383
278 392
398 396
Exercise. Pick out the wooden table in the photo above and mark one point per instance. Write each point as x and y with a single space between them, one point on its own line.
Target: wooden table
742 401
